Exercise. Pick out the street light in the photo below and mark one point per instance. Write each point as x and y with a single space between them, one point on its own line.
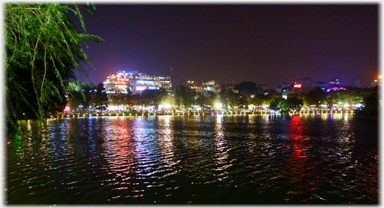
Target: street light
219 105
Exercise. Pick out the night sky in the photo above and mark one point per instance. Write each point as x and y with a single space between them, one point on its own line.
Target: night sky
266 44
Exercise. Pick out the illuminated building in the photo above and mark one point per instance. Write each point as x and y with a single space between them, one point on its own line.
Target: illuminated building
199 88
211 86
284 87
204 87
117 83
209 83
165 82
134 82
141 82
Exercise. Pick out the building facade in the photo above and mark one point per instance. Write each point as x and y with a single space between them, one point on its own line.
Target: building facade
134 82
211 86
117 83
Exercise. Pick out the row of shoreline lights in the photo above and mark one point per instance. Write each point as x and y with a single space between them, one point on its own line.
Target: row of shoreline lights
218 106
266 111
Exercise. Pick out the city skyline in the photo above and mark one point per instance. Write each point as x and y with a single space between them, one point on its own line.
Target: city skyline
266 44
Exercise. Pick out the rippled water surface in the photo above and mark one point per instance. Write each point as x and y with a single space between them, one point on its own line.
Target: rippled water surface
254 159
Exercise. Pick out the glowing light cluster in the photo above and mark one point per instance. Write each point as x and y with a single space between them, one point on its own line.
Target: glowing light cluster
336 89
297 86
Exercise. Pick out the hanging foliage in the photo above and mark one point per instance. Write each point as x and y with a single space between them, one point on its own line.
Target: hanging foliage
43 49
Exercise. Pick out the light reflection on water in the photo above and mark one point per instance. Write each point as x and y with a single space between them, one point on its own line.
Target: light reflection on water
317 158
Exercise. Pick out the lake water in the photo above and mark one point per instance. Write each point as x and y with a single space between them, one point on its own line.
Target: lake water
252 159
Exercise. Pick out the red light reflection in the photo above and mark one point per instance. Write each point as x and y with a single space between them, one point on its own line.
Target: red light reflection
121 148
296 137
298 167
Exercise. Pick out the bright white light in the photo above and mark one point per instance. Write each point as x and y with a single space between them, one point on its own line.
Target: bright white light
122 86
140 88
154 88
112 107
145 82
167 105
219 105
346 105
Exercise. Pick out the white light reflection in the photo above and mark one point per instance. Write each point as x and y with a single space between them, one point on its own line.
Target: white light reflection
267 118
166 141
60 136
145 141
251 119
221 149
324 116
338 116
266 122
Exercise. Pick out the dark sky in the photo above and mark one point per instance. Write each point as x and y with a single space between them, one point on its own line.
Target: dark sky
266 44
